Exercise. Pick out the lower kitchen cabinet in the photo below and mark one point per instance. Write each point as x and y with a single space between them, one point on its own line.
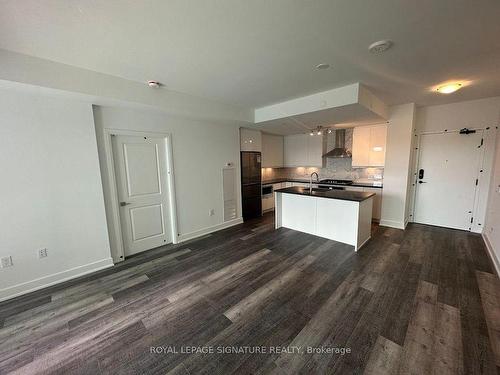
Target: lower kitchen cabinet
268 202
377 202
377 199
301 184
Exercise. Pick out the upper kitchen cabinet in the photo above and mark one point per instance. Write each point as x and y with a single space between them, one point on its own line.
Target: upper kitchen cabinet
295 150
314 151
272 151
303 150
250 140
368 146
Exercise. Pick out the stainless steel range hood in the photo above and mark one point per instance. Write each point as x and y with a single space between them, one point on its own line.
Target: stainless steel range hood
339 150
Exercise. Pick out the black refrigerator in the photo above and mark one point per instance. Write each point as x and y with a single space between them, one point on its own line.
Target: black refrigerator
251 189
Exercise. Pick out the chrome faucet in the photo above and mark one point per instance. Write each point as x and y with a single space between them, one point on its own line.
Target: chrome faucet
311 181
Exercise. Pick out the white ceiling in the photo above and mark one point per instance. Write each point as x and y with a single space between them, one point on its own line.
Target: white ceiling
253 53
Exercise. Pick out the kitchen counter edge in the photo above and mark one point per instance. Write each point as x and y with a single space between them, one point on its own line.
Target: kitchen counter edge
355 196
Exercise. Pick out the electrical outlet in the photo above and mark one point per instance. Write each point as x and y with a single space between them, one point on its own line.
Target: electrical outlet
211 212
7 262
42 253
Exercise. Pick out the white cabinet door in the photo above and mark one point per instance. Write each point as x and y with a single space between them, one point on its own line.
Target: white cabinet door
314 151
368 146
361 146
377 202
300 184
267 203
303 150
272 151
378 134
296 150
250 140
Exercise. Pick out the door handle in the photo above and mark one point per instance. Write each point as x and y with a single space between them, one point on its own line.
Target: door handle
123 204
422 182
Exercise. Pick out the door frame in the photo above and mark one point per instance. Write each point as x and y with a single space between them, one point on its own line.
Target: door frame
416 162
118 253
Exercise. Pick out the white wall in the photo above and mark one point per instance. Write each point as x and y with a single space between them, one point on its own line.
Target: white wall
397 165
51 193
201 149
482 113
492 226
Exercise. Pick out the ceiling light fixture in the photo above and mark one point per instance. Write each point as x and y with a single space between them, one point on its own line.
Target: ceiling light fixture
380 46
317 131
449 88
322 66
154 84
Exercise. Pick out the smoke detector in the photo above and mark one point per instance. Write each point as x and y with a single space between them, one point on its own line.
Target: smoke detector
380 46
154 84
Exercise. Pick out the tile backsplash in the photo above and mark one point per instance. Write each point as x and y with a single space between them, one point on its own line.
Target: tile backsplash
334 167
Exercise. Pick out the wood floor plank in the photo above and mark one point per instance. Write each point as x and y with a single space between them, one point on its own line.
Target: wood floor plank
384 358
489 287
401 306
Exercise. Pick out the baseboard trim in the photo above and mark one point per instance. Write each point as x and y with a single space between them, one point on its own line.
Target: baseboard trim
392 224
208 230
493 257
56 278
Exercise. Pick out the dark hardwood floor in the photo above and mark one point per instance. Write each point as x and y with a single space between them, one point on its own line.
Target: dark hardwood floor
421 301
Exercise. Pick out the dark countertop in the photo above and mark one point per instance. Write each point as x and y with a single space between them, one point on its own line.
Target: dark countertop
358 184
356 196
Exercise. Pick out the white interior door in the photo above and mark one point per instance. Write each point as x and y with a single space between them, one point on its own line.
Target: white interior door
141 177
448 166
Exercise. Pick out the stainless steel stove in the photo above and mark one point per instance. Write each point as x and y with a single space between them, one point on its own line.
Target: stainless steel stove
333 181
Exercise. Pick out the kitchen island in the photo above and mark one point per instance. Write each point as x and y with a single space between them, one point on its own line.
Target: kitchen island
339 215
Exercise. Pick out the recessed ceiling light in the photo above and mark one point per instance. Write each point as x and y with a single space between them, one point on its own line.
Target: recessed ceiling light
154 84
322 66
380 46
448 89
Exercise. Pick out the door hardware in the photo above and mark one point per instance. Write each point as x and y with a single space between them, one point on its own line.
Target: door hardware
466 131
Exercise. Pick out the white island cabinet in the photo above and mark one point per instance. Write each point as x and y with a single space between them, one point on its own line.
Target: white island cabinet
339 215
